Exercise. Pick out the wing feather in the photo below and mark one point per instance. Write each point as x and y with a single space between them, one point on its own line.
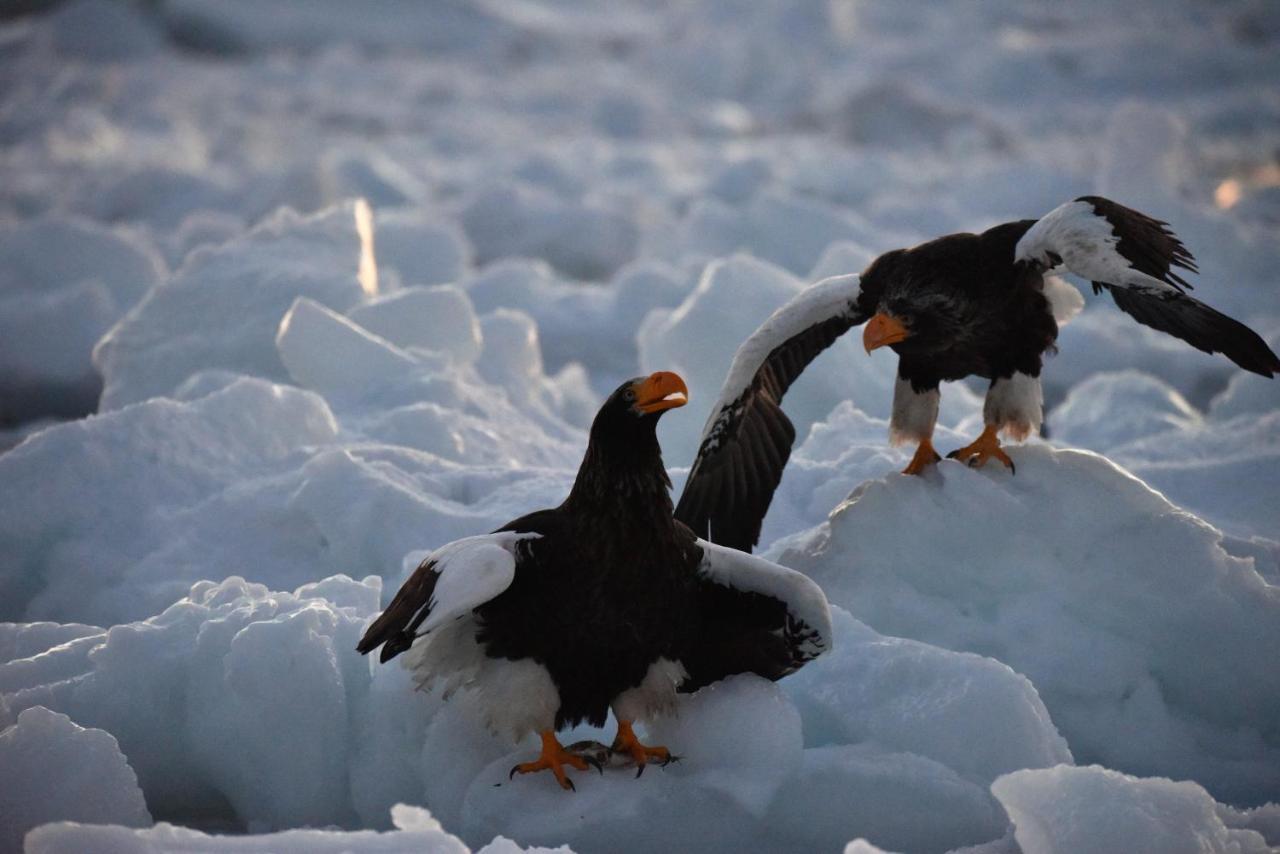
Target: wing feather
747 439
1199 325
1134 256
758 617
447 585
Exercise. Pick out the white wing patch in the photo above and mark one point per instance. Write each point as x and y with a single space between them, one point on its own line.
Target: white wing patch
1085 243
471 572
822 300
806 604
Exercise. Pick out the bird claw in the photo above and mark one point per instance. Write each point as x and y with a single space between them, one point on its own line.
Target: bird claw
661 763
982 449
924 457
629 748
554 757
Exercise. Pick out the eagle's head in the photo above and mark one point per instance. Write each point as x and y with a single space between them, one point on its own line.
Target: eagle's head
636 405
914 315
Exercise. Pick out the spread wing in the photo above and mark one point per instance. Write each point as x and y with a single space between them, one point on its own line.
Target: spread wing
757 617
747 440
1134 257
446 586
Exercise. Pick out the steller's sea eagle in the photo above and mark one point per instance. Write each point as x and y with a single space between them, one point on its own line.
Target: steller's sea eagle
959 306
604 602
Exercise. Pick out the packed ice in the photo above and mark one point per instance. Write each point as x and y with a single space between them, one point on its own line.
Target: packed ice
291 295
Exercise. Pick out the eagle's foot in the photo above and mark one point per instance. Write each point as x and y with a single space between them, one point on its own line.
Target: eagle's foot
983 448
925 456
554 758
627 744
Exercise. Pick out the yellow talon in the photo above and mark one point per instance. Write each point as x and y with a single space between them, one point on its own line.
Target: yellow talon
641 754
925 456
983 448
554 757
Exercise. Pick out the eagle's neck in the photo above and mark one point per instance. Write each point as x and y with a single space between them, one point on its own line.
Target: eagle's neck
622 477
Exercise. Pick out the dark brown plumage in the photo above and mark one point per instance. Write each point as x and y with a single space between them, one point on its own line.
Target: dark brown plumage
959 306
612 602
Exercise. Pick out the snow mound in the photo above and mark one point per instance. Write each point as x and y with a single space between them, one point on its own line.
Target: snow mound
222 308
1128 614
439 319
1065 810
584 323
787 230
273 674
585 240
1223 467
325 352
421 251
1102 339
1248 393
895 727
415 831
849 447
324 736
153 468
63 283
1225 470
1110 409
58 771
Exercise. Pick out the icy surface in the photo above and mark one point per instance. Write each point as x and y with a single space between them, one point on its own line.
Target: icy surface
63 283
55 770
1062 810
222 308
1129 616
299 388
415 831
324 737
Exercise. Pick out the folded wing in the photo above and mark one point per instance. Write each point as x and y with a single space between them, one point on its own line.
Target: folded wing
757 617
1135 258
446 586
747 439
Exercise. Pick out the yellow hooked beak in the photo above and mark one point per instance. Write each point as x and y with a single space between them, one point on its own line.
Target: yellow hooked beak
883 329
660 391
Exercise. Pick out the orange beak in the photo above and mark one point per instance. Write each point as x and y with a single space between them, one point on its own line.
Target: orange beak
883 329
660 391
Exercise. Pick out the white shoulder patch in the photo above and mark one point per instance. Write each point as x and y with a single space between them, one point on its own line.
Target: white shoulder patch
1085 243
471 572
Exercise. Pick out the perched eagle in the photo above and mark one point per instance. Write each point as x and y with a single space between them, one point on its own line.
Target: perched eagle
958 306
605 602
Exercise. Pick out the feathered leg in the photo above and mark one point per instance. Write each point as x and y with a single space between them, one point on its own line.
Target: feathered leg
914 414
1014 404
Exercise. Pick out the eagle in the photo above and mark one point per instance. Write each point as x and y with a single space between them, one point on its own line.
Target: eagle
603 603
959 306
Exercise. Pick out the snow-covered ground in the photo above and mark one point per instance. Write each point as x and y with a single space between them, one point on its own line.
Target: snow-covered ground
344 285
